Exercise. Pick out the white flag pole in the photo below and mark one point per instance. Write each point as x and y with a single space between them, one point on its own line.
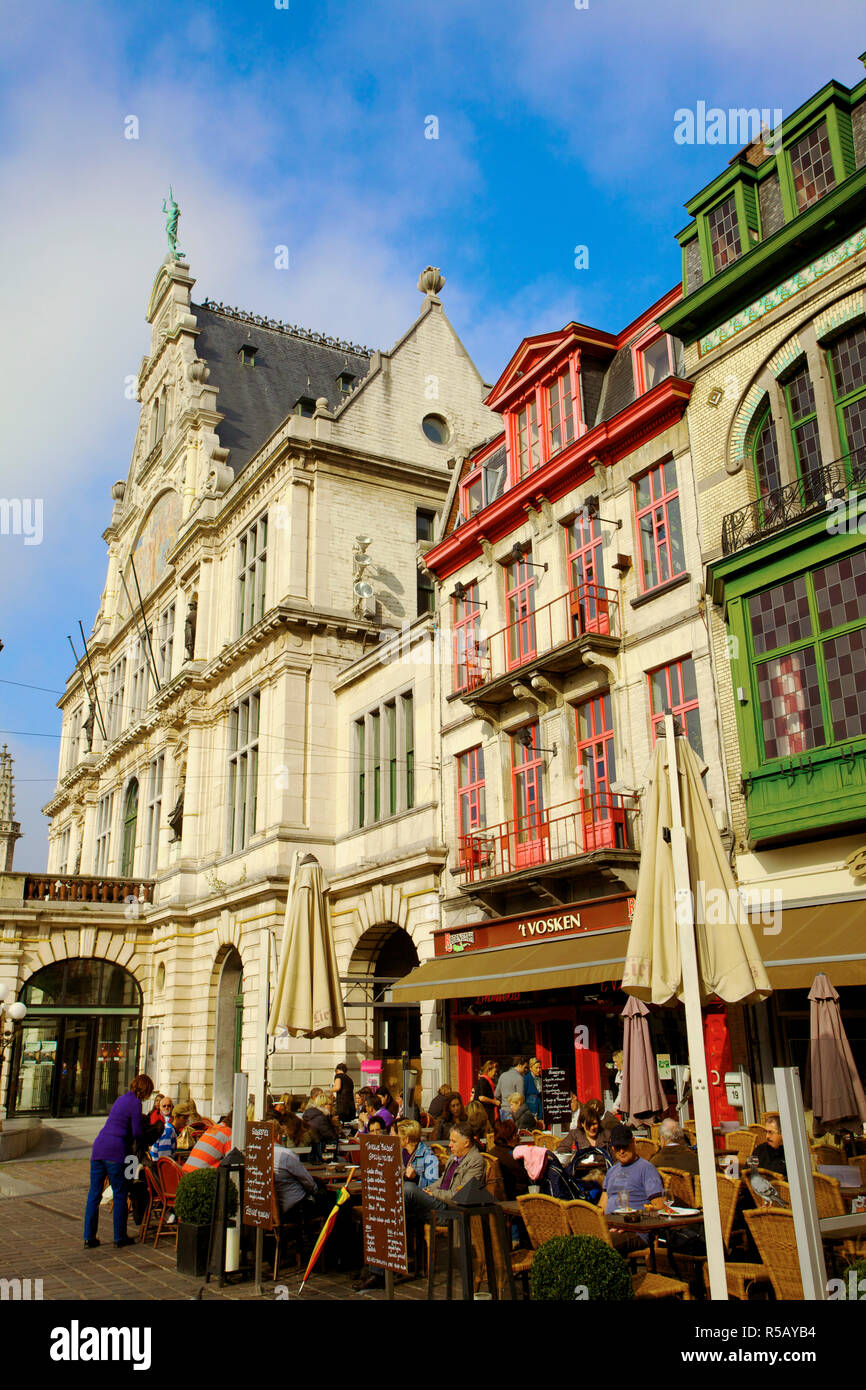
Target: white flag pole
695 1029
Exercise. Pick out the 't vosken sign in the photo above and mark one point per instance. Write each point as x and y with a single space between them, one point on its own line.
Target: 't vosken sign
540 926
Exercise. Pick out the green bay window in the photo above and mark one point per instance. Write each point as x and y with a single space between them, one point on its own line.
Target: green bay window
808 656
847 359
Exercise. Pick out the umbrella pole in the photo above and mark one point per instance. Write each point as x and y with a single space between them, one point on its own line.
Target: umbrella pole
695 1030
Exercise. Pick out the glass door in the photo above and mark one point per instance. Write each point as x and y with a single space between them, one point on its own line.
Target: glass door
37 1054
76 1066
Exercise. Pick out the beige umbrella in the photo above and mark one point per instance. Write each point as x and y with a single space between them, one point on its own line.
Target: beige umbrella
690 938
729 962
641 1091
307 1000
838 1101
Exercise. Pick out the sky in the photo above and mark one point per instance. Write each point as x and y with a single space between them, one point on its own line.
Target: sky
308 126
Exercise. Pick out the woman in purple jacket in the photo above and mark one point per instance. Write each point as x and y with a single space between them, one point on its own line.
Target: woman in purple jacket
112 1149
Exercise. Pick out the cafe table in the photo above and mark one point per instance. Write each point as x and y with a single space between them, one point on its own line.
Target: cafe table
651 1224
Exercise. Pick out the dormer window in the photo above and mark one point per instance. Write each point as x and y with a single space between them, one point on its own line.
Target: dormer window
345 381
560 405
724 234
812 167
484 484
528 439
656 357
305 405
247 355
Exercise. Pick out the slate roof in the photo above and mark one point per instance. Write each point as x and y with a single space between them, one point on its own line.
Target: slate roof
289 363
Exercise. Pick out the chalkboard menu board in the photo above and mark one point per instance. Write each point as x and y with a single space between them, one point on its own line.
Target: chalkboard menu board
556 1097
260 1202
384 1212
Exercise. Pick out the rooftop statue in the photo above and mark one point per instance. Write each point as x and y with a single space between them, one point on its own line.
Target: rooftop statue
172 212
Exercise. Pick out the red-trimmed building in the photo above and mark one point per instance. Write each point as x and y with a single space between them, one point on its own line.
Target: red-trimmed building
571 614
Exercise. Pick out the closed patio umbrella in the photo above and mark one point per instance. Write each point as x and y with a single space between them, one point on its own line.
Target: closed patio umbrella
641 1092
307 1000
690 937
838 1101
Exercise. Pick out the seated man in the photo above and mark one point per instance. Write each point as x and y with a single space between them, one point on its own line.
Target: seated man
466 1162
630 1175
675 1151
291 1179
213 1146
771 1154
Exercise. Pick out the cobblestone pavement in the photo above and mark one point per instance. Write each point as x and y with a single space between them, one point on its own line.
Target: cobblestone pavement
41 1238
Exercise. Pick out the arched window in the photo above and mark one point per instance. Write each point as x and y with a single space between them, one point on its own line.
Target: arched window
160 416
154 421
765 453
847 357
130 822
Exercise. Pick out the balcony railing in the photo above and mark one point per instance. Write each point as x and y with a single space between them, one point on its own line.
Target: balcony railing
67 888
588 610
547 837
814 492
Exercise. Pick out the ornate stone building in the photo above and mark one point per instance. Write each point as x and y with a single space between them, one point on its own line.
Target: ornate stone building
282 490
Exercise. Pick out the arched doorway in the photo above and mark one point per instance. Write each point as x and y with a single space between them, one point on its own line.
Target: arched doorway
77 1050
376 1027
229 1031
130 824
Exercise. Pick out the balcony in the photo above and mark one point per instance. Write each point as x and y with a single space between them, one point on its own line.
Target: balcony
549 640
78 888
784 506
596 834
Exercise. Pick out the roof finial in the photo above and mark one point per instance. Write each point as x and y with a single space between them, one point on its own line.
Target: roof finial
431 280
10 830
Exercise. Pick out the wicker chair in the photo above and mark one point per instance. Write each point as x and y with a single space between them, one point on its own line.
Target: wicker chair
543 1217
584 1219
825 1153
680 1184
494 1184
760 1130
740 1278
773 1233
860 1164
828 1196
646 1148
742 1142
547 1141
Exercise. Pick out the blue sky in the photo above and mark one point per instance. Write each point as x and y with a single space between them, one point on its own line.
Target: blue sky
305 127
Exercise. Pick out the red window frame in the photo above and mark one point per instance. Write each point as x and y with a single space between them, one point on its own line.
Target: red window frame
471 808
679 705
590 610
568 421
603 816
527 792
657 512
648 340
520 609
466 647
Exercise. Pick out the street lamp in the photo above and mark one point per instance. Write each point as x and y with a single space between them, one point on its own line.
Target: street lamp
11 1012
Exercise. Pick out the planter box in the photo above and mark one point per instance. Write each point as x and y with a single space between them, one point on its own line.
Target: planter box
192 1248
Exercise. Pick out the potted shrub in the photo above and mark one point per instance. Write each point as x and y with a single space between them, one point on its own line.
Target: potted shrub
568 1263
193 1204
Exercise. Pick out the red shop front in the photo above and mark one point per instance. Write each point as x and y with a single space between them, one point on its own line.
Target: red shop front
546 984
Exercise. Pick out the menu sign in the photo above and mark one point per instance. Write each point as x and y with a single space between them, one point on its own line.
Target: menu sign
556 1097
384 1213
260 1202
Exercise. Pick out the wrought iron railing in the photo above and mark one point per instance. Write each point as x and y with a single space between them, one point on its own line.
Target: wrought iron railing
584 610
547 837
85 888
814 492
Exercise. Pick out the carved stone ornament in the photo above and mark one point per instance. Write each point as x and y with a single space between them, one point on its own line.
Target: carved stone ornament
198 371
431 280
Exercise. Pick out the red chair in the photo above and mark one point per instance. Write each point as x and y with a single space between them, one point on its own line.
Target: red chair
155 1201
168 1175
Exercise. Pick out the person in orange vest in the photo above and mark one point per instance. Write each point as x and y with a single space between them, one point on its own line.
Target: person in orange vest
213 1146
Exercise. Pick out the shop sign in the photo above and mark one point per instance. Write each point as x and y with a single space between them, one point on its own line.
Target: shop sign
663 1065
538 927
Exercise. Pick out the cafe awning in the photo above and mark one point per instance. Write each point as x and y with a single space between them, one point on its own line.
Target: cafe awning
797 942
586 959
